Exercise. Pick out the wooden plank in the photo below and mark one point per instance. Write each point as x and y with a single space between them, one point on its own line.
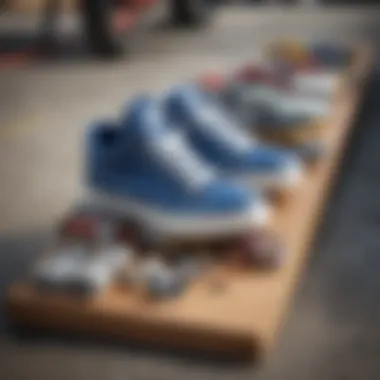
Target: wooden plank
242 320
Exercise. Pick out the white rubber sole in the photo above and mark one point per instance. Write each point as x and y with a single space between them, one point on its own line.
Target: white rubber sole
168 225
321 85
307 105
287 179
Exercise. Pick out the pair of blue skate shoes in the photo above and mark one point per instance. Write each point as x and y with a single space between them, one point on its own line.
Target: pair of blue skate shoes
183 168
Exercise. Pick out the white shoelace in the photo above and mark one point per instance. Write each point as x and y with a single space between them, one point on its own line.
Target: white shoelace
173 153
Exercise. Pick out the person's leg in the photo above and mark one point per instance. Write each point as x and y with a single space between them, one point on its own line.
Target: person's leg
101 34
49 25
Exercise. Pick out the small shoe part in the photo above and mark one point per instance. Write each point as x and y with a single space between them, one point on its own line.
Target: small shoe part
149 239
293 52
211 82
259 250
79 226
265 75
129 232
92 228
159 280
117 256
163 285
76 269
332 54
189 267
61 273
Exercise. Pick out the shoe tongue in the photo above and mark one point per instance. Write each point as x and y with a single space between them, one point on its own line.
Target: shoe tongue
145 127
188 96
143 121
215 122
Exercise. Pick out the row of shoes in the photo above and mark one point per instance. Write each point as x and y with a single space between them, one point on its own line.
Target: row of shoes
199 162
188 163
287 99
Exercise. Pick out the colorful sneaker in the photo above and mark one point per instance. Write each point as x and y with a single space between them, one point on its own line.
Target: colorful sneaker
221 141
282 102
317 55
277 93
320 84
258 110
146 171
297 133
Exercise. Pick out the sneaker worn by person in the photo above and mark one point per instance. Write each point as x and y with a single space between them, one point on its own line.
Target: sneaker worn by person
146 171
221 141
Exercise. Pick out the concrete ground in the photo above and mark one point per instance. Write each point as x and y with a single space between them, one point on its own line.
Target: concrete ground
332 330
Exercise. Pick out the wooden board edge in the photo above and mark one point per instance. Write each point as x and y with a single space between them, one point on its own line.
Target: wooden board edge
34 312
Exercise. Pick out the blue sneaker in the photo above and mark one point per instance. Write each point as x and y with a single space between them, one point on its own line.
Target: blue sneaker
148 172
221 141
